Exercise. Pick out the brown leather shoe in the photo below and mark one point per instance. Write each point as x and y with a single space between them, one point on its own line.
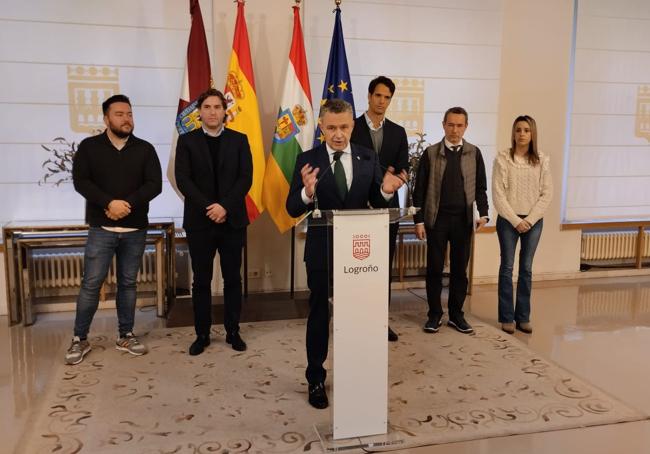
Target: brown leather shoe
508 328
525 327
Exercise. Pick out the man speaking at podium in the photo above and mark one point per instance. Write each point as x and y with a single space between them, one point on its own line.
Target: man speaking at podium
336 175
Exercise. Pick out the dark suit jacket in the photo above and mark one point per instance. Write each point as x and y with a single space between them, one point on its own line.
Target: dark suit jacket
195 177
365 189
394 148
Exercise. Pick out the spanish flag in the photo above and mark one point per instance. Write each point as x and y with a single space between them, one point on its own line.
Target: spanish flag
243 114
294 131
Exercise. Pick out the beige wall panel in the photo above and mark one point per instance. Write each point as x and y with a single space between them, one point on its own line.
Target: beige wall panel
413 59
138 14
154 124
33 202
415 23
48 84
92 45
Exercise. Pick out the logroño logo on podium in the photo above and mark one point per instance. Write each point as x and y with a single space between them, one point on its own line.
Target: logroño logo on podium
361 246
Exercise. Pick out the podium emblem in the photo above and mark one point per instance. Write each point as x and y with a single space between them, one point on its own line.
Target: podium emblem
361 247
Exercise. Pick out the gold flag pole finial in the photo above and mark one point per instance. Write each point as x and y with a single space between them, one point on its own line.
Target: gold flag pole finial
298 2
338 3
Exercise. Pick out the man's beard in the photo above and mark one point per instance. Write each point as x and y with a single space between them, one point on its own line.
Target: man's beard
119 133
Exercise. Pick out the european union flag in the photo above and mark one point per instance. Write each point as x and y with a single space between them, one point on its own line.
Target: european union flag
337 78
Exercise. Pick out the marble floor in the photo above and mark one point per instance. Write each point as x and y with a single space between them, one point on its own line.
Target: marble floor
597 328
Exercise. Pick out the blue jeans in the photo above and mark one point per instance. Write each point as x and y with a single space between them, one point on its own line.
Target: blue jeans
508 237
101 246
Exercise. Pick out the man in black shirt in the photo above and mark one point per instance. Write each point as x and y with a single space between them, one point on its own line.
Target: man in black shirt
118 174
450 178
214 171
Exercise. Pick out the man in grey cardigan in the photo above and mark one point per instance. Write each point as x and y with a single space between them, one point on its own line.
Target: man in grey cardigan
450 178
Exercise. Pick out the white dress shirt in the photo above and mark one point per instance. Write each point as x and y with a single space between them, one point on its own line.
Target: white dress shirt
346 160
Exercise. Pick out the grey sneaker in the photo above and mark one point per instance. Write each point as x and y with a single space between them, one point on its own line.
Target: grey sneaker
77 350
129 343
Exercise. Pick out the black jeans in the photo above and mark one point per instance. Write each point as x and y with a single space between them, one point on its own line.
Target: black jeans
455 230
203 245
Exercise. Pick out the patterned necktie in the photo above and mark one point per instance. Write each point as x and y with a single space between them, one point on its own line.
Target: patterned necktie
339 175
456 148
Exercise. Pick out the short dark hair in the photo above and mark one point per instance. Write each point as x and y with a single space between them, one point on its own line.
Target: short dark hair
211 92
335 105
381 80
112 100
455 110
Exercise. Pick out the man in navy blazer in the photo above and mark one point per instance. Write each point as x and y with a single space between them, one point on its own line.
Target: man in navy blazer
214 171
373 130
338 175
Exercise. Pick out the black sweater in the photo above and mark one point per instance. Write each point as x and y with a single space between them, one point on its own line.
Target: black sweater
101 174
452 190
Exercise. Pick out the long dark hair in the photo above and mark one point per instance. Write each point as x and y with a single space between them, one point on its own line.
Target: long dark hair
533 155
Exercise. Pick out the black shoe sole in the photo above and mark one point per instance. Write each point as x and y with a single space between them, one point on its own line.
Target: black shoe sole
459 329
433 330
237 347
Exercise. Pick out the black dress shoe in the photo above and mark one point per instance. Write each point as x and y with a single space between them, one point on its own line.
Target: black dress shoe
461 325
235 340
433 325
199 344
392 335
318 396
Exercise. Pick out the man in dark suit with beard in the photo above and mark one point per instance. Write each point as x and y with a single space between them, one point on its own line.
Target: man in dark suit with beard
354 181
373 130
214 171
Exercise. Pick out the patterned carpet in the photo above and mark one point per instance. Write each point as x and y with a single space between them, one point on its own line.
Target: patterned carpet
443 388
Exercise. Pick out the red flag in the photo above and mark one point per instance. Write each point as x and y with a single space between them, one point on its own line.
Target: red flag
196 79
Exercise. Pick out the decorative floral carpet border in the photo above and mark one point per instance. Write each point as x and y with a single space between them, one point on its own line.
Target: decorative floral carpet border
443 387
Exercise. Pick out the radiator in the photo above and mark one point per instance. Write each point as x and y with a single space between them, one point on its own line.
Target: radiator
415 255
61 272
612 245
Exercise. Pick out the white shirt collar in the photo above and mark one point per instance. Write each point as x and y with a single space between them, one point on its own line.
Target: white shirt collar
331 151
213 134
371 125
449 145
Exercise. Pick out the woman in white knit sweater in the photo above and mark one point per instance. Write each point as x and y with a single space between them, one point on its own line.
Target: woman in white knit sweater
522 189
